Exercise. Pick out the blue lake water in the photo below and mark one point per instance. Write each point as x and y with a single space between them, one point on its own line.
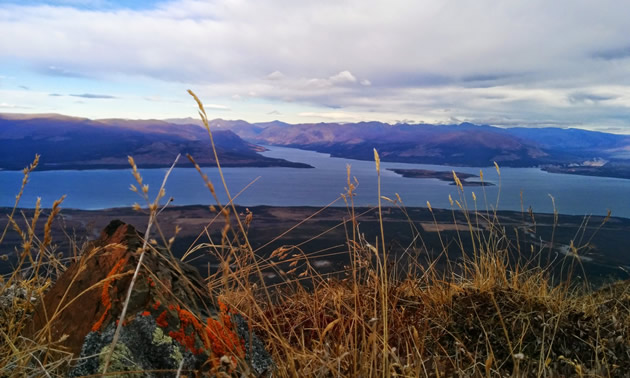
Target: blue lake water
98 189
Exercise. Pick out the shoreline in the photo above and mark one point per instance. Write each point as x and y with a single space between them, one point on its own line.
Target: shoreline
385 205
118 167
324 230
586 171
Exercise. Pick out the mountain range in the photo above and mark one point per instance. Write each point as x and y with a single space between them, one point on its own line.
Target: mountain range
567 150
79 142
462 144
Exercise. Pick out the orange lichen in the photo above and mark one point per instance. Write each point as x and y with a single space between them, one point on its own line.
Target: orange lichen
217 335
105 299
161 320
150 282
224 332
222 306
223 338
156 305
146 313
187 319
225 309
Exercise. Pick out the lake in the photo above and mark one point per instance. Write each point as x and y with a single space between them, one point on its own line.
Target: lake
99 189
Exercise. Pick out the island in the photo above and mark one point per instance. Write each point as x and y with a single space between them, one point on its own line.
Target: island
440 175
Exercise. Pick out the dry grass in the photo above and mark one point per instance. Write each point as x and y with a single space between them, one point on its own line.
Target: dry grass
491 313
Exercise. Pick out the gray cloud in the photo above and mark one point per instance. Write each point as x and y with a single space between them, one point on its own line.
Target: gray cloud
614 53
529 61
580 97
58 71
93 96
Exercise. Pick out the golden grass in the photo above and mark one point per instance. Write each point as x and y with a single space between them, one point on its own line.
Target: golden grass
491 313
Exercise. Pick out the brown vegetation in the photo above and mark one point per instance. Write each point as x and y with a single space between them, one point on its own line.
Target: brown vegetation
492 313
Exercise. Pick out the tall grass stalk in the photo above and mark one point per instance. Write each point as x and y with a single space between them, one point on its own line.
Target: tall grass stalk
473 304
153 212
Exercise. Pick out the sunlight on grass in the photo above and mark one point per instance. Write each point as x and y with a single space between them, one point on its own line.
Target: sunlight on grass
500 307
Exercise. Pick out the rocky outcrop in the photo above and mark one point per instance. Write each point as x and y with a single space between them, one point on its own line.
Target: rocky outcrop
172 322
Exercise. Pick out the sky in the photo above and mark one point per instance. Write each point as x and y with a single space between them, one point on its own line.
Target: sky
532 63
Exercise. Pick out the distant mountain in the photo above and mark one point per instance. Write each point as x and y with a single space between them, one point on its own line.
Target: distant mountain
79 143
454 144
465 144
242 128
82 143
272 123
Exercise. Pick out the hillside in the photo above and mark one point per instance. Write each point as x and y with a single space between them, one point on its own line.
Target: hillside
465 144
106 143
79 143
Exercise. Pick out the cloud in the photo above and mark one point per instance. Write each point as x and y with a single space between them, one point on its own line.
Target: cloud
4 105
591 98
487 77
330 115
158 98
275 75
527 60
57 71
613 53
216 107
274 112
93 96
404 38
405 121
343 77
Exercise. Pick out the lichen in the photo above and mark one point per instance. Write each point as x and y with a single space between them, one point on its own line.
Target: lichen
185 335
161 319
159 338
105 299
121 361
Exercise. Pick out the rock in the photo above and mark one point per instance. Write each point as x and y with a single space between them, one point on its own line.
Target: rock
12 294
172 321
16 305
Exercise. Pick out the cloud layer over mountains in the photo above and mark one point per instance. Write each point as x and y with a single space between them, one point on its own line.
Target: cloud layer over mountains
504 63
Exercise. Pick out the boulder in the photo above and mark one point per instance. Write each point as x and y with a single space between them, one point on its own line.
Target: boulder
172 322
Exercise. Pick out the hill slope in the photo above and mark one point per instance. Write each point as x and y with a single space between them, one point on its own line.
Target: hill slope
572 151
79 143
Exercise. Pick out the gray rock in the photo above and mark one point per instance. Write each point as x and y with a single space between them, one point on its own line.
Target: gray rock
142 347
